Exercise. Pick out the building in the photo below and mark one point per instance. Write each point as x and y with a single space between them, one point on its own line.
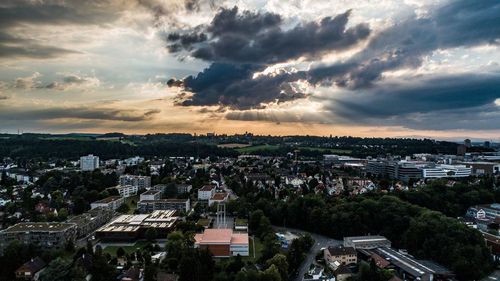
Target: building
483 168
150 195
366 242
89 162
223 243
133 227
111 202
44 235
91 220
447 171
206 192
31 270
184 188
218 197
487 211
126 190
148 206
408 268
340 255
141 182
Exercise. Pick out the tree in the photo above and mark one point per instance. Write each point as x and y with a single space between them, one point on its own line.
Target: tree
151 234
271 274
150 273
120 252
124 208
57 270
279 260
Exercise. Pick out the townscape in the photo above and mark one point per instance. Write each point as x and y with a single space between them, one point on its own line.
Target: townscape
248 207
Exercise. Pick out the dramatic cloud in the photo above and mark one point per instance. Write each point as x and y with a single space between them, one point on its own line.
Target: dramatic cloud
82 112
245 43
238 89
460 23
258 38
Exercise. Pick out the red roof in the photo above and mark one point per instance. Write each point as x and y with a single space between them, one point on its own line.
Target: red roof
221 236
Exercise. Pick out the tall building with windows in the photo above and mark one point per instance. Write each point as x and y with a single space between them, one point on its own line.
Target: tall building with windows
89 162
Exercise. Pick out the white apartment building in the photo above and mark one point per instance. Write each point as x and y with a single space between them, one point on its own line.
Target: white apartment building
127 190
206 192
141 182
111 202
89 162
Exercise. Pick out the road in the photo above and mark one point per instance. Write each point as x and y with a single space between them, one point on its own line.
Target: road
320 241
495 275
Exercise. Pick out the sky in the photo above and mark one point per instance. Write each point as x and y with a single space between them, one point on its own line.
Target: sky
384 68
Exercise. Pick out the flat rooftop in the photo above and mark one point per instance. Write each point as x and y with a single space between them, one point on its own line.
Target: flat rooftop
151 192
132 223
207 188
221 236
108 199
38 226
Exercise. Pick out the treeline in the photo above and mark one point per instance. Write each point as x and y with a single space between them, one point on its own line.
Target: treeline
453 200
29 148
424 233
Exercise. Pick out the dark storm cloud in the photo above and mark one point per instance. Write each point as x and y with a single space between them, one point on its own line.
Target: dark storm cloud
234 86
242 43
452 100
257 38
86 113
460 23
249 37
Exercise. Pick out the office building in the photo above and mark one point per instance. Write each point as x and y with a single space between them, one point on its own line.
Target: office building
447 171
89 163
43 235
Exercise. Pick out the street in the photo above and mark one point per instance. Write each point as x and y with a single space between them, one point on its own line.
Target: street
495 275
320 241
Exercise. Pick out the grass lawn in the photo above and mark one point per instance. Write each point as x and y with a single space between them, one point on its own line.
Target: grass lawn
128 249
203 222
252 149
132 203
258 249
241 222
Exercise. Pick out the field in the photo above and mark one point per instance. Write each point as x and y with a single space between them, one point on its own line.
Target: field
252 149
128 249
233 145
255 148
